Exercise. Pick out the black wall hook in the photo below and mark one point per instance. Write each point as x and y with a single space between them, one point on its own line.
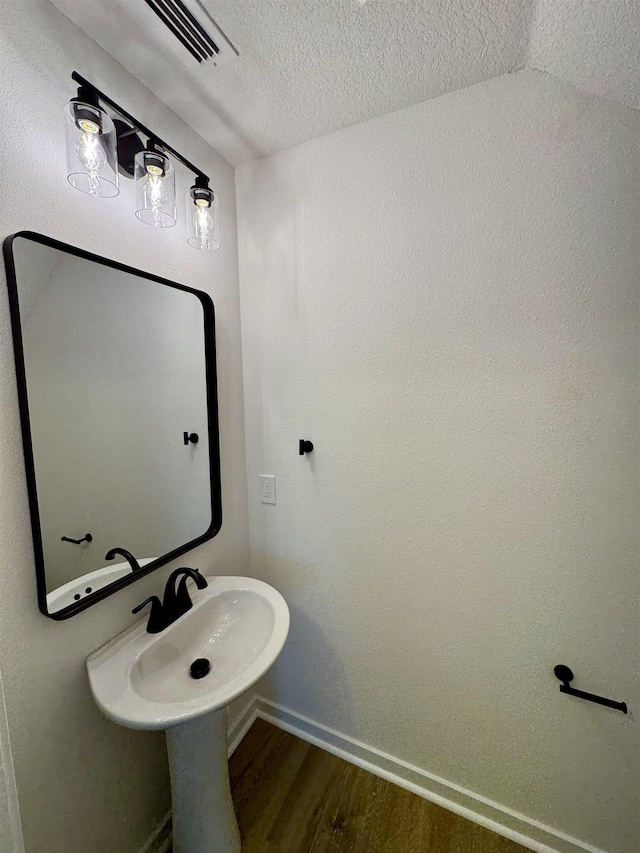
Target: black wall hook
565 675
305 446
190 437
86 538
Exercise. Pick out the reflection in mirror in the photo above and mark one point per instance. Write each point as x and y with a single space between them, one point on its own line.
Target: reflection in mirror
115 374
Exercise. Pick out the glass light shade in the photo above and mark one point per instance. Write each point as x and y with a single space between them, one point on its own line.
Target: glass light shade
155 189
203 219
91 150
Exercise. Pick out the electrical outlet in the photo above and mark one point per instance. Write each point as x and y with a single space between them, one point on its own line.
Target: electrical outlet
267 489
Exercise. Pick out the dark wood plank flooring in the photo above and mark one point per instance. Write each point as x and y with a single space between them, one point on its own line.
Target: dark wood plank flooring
292 797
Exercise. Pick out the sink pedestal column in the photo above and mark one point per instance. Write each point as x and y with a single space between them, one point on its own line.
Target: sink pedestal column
204 820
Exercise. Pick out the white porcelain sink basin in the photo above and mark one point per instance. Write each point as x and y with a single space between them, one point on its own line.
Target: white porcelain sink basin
143 680
80 587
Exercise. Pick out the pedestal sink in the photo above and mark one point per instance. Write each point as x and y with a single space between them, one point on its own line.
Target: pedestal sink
182 680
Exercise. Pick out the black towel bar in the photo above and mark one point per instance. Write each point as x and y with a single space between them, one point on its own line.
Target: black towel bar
565 675
86 538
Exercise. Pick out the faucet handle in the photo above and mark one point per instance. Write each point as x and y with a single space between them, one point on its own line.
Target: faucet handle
153 600
157 621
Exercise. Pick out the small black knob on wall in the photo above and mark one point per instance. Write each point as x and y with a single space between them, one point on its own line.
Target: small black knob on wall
305 446
190 437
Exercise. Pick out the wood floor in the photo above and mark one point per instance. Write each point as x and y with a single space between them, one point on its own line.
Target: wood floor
292 797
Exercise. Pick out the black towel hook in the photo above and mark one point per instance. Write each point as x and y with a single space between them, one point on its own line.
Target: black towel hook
305 446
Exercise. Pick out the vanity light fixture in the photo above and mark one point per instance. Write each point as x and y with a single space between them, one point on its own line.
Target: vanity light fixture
203 221
99 147
155 187
91 146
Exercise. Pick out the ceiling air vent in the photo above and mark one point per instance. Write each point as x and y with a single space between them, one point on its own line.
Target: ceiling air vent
196 31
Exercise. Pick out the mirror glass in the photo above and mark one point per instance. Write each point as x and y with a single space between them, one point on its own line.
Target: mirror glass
116 375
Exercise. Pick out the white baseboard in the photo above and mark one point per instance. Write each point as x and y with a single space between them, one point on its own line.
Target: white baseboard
500 819
159 839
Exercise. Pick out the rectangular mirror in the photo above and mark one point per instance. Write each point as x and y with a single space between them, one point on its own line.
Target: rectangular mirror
117 388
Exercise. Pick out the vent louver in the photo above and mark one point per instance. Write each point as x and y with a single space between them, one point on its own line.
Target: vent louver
202 38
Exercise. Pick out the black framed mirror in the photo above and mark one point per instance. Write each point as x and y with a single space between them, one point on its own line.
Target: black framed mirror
116 372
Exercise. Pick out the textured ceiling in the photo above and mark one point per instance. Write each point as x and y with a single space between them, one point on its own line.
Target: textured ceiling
310 67
594 44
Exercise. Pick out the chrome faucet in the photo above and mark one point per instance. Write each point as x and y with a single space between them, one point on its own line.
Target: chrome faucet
175 603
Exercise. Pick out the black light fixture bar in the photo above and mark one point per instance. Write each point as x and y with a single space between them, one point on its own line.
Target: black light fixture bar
82 81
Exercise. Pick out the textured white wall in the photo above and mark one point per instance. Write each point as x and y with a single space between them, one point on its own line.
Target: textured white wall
445 301
84 783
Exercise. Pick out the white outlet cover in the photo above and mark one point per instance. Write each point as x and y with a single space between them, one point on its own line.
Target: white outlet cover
267 489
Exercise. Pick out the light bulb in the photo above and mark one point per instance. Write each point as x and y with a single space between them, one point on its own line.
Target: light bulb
88 126
156 196
92 156
91 148
203 225
154 190
155 187
202 216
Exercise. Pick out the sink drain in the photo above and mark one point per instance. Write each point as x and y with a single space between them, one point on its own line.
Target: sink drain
199 668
